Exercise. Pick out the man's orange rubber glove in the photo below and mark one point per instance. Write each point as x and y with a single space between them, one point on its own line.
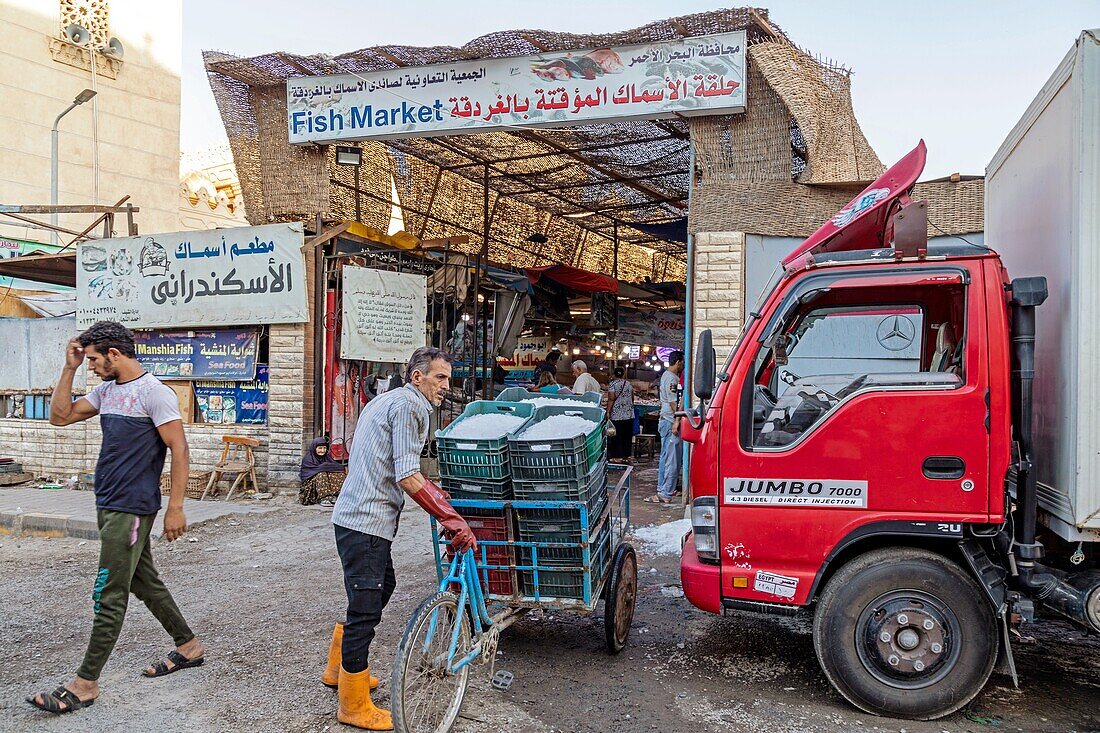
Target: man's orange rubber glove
434 501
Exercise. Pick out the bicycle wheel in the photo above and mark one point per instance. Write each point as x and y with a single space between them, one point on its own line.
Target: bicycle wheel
425 697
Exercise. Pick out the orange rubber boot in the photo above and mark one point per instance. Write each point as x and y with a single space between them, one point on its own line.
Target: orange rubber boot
331 675
356 707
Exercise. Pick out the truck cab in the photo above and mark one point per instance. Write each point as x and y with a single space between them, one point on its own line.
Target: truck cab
856 455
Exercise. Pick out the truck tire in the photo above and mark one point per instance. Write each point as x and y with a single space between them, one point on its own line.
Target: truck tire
905 633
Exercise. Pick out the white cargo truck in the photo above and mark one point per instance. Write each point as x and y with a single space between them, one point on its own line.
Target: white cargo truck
1042 214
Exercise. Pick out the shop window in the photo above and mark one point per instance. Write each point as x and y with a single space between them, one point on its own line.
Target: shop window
820 356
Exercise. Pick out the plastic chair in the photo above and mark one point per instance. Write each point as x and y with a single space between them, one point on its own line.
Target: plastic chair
236 459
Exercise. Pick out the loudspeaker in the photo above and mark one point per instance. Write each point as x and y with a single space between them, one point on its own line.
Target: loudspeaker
77 35
114 48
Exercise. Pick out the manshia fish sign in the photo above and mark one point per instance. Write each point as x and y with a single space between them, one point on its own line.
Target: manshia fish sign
240 276
686 76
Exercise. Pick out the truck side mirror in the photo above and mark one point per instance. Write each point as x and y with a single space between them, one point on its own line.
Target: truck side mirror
705 366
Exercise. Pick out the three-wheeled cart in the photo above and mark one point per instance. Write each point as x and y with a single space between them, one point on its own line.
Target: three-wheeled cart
574 556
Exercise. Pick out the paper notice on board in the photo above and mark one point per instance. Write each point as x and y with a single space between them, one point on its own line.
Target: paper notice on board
384 315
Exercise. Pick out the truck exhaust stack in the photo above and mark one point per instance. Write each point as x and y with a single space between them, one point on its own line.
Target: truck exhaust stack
1077 599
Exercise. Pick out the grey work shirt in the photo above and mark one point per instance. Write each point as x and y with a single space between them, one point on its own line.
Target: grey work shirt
389 438
670 384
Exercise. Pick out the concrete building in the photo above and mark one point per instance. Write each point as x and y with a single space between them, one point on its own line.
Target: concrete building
125 141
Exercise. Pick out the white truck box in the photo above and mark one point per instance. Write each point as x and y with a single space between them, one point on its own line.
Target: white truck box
1042 214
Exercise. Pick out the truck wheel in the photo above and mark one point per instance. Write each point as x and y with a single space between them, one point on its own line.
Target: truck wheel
905 633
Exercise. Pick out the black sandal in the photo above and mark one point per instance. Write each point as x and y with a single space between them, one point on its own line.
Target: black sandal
60 701
160 668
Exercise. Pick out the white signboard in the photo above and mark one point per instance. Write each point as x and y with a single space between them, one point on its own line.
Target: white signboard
384 315
685 76
240 276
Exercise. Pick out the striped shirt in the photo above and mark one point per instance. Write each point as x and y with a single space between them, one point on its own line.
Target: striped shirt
389 438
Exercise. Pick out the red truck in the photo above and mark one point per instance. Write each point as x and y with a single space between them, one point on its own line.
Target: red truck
894 499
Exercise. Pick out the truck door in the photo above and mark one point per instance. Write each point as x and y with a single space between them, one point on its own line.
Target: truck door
862 402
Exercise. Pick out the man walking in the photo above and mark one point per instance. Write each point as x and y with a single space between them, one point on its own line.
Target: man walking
141 420
668 470
384 466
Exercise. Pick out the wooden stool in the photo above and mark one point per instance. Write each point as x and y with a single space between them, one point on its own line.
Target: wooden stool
645 442
236 459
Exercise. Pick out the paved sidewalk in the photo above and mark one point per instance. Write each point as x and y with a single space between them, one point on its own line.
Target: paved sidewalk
66 513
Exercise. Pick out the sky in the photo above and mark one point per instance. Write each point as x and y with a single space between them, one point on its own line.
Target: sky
957 74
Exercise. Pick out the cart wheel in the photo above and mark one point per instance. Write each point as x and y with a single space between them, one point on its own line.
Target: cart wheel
426 698
622 588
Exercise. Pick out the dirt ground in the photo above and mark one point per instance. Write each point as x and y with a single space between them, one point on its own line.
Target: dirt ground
264 591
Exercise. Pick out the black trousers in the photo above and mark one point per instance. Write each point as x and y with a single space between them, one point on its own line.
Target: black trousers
620 446
369 582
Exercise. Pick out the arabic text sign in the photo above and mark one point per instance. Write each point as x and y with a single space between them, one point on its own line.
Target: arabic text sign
221 355
660 328
384 315
686 76
241 403
245 275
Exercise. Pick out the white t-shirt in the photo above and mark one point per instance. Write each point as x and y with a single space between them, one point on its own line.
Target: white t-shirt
585 383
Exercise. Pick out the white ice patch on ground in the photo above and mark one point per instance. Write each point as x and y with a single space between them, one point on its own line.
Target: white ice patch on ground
485 427
558 426
663 539
554 402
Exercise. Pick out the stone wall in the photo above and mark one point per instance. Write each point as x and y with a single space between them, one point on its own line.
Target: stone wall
719 287
286 403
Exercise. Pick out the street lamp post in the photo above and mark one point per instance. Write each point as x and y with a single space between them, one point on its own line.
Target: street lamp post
81 98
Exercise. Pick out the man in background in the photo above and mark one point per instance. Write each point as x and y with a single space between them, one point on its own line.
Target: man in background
585 382
549 365
668 470
141 421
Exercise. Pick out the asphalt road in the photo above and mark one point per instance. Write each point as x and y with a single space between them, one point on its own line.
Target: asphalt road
263 592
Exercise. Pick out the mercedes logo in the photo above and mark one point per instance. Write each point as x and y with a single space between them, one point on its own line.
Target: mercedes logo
895 333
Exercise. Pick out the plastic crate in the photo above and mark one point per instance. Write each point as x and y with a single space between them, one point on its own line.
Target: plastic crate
557 525
559 458
473 458
519 394
566 583
490 524
478 488
553 489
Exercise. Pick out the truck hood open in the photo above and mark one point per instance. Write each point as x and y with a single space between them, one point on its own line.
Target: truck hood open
862 223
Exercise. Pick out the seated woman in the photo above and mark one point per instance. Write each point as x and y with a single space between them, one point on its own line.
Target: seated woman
548 384
321 476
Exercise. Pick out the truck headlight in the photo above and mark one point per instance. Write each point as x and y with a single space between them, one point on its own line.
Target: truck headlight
704 525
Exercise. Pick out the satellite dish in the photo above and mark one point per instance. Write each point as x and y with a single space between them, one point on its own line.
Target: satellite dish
114 48
77 35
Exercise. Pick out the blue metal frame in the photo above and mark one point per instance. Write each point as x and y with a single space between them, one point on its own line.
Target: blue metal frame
617 512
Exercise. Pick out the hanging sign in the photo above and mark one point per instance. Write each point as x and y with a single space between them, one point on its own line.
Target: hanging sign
234 404
228 355
703 75
384 315
660 328
244 275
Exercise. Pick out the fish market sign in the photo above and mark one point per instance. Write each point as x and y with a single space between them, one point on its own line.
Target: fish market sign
704 75
240 276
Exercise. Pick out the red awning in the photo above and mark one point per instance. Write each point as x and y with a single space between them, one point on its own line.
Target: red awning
862 223
571 277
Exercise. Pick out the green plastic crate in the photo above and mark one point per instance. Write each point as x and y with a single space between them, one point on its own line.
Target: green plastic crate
559 458
554 489
566 583
473 458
